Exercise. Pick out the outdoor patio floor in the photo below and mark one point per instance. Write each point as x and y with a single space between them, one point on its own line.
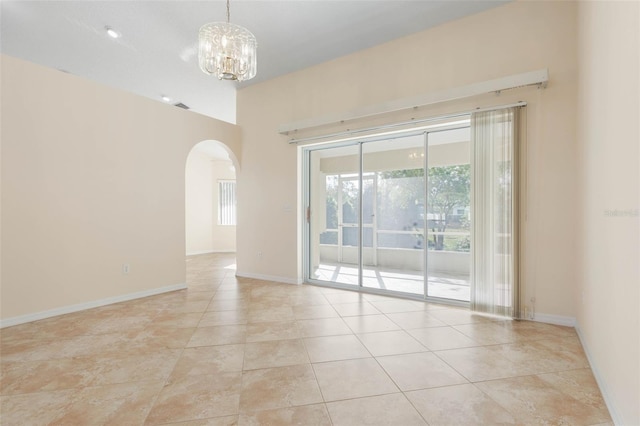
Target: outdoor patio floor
440 284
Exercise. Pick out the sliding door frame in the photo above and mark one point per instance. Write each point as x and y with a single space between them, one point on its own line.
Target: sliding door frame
360 142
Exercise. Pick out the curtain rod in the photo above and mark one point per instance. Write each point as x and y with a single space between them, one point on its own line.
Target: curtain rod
404 123
538 78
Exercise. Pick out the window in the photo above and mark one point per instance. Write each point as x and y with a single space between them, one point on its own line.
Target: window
227 202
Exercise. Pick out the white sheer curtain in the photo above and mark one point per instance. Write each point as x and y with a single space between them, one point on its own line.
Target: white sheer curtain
494 272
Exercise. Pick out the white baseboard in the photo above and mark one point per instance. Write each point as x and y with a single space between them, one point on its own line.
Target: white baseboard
284 280
555 319
195 253
604 390
88 305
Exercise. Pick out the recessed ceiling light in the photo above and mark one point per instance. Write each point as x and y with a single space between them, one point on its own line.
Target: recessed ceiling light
111 32
166 98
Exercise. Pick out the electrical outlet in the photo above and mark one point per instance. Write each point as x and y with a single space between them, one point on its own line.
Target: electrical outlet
532 309
125 268
259 255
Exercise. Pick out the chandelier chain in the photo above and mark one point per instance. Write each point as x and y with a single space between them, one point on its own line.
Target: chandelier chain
228 13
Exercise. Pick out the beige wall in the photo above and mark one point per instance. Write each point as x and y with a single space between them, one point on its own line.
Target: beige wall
203 234
608 292
199 203
91 178
515 38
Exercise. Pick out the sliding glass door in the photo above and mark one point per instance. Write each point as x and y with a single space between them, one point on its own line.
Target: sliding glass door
448 231
392 214
394 255
333 215
428 214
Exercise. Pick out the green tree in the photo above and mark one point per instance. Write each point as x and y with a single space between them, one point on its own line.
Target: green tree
449 187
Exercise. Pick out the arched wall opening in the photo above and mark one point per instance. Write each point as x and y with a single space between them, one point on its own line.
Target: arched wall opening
210 216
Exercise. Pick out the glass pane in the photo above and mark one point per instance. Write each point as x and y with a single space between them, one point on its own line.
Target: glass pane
227 202
448 215
368 199
393 249
333 225
350 189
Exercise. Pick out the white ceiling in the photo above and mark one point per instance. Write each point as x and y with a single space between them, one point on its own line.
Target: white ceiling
156 54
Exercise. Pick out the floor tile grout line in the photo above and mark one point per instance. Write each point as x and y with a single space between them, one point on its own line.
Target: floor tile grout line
364 397
167 380
77 389
315 377
415 408
436 353
497 378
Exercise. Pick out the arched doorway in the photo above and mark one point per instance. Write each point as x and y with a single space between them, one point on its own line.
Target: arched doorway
210 215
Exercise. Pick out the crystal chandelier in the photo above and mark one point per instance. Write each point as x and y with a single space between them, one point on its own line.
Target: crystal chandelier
227 51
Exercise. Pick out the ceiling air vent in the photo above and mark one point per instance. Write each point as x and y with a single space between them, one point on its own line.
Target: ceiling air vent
181 105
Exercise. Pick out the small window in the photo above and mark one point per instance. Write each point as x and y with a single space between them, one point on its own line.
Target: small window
227 202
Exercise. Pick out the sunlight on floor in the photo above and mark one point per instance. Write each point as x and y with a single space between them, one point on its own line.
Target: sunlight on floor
441 285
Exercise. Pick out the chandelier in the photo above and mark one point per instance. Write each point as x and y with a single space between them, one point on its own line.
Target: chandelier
227 51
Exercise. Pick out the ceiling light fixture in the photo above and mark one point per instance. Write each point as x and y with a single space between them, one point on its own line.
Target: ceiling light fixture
227 51
166 98
111 32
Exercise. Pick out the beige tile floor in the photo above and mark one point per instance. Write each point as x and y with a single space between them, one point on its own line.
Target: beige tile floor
237 351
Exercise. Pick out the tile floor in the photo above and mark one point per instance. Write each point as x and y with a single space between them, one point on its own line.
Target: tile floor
237 351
